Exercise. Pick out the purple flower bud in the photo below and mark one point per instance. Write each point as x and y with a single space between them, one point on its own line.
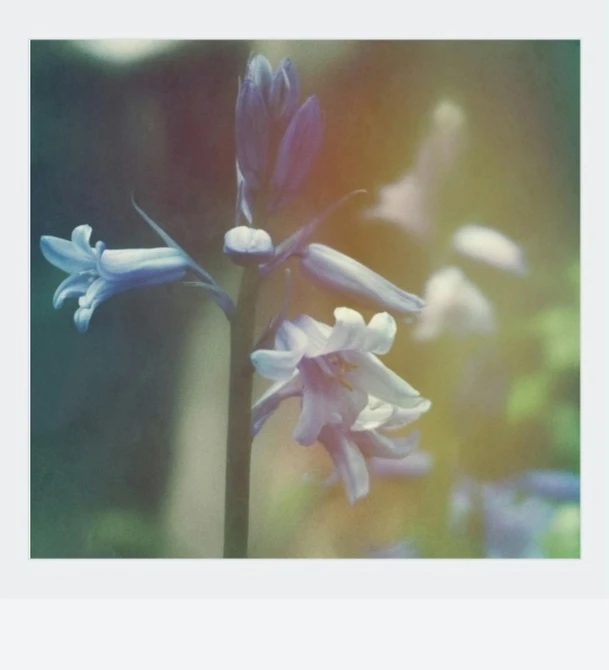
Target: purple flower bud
297 151
245 245
252 134
285 92
336 271
259 70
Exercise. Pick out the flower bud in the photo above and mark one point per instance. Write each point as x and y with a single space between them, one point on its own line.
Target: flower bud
245 245
339 272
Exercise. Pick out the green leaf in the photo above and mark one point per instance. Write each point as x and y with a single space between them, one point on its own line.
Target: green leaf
562 539
528 397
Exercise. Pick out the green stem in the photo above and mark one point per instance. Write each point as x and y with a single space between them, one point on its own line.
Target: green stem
239 438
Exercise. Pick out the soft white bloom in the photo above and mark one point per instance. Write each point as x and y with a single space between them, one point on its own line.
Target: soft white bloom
335 367
453 304
245 245
489 246
408 201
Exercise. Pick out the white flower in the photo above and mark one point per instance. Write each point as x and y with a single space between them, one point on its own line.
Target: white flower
489 246
335 369
408 202
453 304
245 245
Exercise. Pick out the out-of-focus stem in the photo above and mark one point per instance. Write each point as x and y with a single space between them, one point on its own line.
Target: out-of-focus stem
239 438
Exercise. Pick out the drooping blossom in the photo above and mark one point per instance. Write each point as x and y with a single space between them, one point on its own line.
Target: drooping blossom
454 304
489 246
348 397
336 367
516 513
96 273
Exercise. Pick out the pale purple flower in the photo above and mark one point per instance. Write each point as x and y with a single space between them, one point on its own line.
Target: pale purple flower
335 367
489 246
337 271
454 304
245 245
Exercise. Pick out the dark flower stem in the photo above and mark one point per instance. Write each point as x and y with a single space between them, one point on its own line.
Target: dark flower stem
239 438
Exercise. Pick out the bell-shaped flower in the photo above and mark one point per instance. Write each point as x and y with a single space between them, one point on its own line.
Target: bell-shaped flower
489 246
337 271
247 246
453 304
97 273
336 368
297 152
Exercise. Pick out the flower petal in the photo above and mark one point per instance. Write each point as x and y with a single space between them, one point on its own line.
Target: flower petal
290 338
349 462
245 245
259 70
73 286
317 334
65 255
285 92
380 333
81 236
348 332
378 380
337 271
297 152
270 400
489 246
276 365
142 266
252 134
376 445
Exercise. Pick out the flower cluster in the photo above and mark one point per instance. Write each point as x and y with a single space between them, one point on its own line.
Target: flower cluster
349 398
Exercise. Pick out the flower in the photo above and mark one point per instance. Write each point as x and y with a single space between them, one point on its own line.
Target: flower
335 368
245 245
408 202
335 270
517 513
277 141
96 273
489 246
454 304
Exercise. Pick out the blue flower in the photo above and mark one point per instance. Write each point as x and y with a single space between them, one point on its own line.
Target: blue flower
516 513
96 273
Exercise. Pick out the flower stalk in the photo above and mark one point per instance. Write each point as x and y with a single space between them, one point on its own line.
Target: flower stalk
239 435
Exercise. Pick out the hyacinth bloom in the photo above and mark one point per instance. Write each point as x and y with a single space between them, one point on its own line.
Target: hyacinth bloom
365 448
245 245
453 304
336 369
516 513
339 272
97 273
489 246
277 141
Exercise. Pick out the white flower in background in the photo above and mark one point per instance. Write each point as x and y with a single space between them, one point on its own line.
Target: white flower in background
408 202
489 246
453 304
335 367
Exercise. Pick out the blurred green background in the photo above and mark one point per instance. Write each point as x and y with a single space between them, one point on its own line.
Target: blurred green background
128 421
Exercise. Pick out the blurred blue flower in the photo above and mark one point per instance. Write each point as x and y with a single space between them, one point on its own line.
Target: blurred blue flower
516 513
